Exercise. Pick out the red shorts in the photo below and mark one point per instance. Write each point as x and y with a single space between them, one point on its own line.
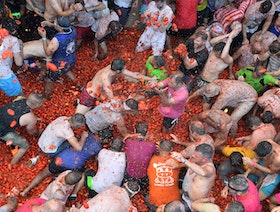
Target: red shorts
82 31
86 99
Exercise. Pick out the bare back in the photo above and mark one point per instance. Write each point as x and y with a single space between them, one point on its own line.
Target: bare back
273 161
101 82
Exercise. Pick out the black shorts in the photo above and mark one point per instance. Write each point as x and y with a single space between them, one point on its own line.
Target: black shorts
55 75
169 123
56 169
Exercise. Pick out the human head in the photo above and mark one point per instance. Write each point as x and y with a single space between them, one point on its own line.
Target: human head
131 104
174 206
238 185
132 187
142 128
216 30
235 159
77 120
35 100
159 4
157 62
73 177
117 144
200 39
118 65
206 150
52 205
267 117
197 127
176 80
64 23
265 6
235 206
274 48
115 27
263 149
253 121
211 90
197 130
165 145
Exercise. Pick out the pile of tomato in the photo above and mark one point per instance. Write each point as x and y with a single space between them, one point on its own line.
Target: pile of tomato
62 104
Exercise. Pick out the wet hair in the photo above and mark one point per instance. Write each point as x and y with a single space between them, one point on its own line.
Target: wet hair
65 23
35 99
78 120
142 128
265 6
197 129
235 159
263 149
267 117
165 145
174 206
118 64
253 121
159 61
218 47
132 104
117 144
274 47
202 35
73 177
115 27
235 206
206 150
238 183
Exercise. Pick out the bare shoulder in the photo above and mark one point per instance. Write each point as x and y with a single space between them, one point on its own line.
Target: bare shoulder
28 118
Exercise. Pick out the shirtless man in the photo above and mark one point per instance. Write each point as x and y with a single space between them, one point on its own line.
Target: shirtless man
197 136
269 151
201 174
248 54
55 8
218 60
231 93
261 131
216 122
101 84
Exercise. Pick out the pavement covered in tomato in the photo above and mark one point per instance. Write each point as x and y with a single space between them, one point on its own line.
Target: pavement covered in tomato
62 103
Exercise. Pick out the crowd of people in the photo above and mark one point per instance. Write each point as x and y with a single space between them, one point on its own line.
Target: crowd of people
241 37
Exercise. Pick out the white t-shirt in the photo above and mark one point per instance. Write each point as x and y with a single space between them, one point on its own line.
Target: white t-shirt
112 199
55 134
57 190
10 43
111 167
102 116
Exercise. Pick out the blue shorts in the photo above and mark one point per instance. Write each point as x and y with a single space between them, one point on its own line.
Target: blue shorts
11 86
268 189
